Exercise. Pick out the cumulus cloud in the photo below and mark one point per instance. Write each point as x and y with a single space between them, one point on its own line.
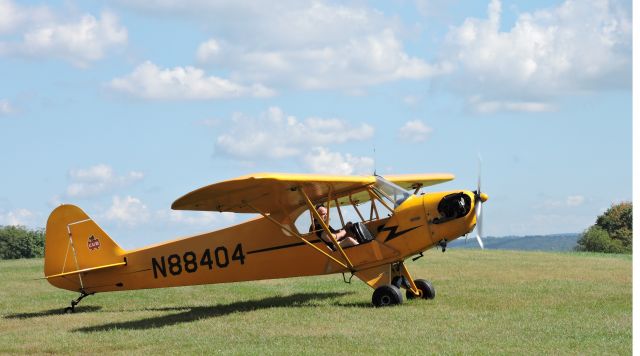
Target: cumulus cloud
275 135
78 41
127 211
14 17
148 81
322 160
22 217
358 62
308 44
575 47
208 50
98 179
414 131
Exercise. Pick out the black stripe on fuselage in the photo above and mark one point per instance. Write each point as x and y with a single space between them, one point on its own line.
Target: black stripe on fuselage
283 246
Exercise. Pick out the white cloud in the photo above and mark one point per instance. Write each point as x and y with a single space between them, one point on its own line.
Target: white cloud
80 41
208 50
148 81
14 17
98 179
5 107
575 47
321 160
414 131
17 217
308 44
275 135
128 211
349 64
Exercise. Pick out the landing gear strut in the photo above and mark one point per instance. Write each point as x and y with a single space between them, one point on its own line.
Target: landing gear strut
72 308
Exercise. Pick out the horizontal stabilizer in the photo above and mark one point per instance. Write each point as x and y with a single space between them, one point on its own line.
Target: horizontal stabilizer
85 270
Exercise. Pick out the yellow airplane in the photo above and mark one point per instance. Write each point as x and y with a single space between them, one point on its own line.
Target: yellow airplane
292 236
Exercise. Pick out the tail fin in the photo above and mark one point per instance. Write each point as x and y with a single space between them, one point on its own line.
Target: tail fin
74 243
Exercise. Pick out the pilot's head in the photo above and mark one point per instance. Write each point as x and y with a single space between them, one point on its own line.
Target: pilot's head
322 211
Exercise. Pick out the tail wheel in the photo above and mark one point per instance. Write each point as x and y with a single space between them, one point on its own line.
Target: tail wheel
426 290
386 295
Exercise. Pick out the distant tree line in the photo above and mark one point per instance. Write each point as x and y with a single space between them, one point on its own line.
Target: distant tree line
21 242
612 232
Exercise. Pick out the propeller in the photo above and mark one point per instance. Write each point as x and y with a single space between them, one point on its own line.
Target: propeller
480 198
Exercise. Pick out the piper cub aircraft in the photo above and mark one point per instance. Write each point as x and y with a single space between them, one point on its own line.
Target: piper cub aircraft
392 224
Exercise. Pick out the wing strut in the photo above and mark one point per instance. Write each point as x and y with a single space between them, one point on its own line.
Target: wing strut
289 230
325 227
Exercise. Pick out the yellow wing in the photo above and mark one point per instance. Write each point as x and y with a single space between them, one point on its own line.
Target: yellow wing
278 193
415 181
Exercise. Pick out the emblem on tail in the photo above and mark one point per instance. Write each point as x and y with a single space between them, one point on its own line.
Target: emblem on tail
93 243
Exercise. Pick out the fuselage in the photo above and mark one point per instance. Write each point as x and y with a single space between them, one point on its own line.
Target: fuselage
259 249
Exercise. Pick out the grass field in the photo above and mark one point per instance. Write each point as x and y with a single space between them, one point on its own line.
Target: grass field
488 302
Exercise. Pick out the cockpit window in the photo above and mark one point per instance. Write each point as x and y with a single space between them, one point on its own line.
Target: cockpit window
391 192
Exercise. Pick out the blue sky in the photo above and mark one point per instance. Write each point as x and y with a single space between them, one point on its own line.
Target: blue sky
121 107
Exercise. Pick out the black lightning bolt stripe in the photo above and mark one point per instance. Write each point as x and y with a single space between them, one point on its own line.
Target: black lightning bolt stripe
393 233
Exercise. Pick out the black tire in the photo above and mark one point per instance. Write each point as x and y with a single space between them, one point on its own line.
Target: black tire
386 295
426 288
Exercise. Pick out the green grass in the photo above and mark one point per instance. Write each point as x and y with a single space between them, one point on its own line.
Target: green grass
488 302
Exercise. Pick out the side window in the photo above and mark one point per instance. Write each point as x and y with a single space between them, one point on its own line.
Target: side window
362 213
303 223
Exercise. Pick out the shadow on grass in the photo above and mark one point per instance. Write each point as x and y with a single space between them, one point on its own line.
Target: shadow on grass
57 311
190 314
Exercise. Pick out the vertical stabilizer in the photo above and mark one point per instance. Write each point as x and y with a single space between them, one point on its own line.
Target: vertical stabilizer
74 242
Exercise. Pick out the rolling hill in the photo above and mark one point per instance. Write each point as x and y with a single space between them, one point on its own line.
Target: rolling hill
557 242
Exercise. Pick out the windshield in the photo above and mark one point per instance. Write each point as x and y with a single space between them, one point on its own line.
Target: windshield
391 192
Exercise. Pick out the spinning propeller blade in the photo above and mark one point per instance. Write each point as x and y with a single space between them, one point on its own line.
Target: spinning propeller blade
480 197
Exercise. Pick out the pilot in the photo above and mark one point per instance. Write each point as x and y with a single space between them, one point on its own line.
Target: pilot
341 235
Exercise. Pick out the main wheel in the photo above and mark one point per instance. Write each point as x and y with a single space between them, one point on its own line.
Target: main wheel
426 289
386 295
